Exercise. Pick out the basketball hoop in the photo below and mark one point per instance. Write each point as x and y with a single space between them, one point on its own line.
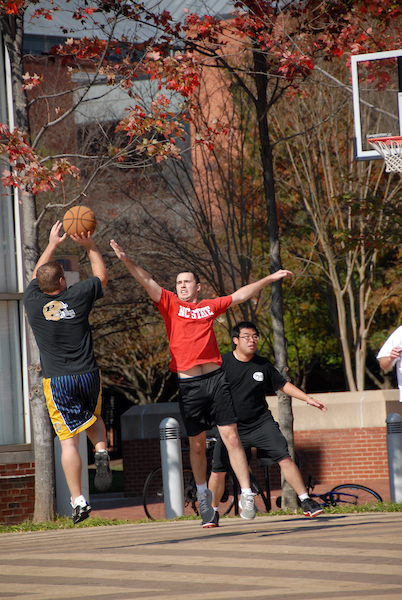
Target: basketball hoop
390 149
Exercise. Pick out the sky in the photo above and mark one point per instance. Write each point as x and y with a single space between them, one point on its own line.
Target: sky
63 24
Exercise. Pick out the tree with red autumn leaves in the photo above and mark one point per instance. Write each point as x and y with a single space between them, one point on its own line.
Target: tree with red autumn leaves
150 135
266 48
269 51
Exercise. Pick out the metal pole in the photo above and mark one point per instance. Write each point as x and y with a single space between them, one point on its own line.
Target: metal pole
172 468
394 448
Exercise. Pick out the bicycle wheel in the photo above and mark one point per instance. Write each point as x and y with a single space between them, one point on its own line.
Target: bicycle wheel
260 500
153 497
351 493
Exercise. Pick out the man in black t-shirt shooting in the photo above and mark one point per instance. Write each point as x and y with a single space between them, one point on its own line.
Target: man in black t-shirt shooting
58 316
251 378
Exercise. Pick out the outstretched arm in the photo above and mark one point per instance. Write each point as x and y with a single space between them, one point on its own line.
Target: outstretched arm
387 362
248 291
294 392
143 278
54 242
95 258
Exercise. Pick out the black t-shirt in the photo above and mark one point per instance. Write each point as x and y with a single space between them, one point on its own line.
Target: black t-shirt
250 382
61 328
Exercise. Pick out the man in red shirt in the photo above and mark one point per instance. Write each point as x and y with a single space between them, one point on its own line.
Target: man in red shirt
205 396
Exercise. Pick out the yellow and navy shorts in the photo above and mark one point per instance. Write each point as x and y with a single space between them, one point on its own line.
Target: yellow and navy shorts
74 402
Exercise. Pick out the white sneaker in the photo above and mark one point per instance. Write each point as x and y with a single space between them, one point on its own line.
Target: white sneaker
247 506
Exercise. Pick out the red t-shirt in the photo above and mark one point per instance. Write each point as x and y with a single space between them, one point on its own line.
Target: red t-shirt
189 326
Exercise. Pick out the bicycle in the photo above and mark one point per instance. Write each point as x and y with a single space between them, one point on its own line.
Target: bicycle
153 497
345 494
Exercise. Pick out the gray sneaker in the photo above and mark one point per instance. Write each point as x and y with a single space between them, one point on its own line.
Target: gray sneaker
103 475
214 522
205 502
247 506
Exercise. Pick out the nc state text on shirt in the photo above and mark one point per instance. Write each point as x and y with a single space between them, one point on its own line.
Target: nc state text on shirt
197 313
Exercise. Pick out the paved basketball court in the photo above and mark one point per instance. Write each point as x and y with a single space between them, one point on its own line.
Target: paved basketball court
333 557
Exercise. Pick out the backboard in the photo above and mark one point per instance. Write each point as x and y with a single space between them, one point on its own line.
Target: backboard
377 99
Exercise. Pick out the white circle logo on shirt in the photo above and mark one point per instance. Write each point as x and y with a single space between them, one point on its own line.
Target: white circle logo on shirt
258 376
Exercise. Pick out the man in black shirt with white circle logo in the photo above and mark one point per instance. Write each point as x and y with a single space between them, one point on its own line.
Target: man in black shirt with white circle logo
252 378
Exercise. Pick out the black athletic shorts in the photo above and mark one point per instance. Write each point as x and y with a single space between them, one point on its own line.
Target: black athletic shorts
205 401
264 435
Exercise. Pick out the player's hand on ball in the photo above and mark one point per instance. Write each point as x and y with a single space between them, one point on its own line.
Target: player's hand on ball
84 239
119 251
54 237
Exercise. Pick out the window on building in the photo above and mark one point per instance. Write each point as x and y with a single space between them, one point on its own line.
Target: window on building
12 429
12 417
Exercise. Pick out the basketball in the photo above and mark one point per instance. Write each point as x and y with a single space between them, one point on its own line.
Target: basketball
79 219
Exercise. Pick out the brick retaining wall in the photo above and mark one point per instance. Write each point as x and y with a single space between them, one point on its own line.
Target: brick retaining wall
343 454
17 492
139 458
337 455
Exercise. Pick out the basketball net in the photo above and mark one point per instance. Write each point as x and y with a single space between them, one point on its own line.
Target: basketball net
390 149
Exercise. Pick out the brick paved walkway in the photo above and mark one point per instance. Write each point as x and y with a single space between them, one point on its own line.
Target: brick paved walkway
335 557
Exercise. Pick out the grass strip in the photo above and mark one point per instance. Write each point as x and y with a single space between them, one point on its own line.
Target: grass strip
66 523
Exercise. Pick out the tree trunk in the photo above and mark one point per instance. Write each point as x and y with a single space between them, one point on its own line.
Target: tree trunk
43 446
13 32
41 426
289 498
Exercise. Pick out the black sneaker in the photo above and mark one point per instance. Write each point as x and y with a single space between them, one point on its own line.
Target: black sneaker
214 522
103 475
311 508
80 513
